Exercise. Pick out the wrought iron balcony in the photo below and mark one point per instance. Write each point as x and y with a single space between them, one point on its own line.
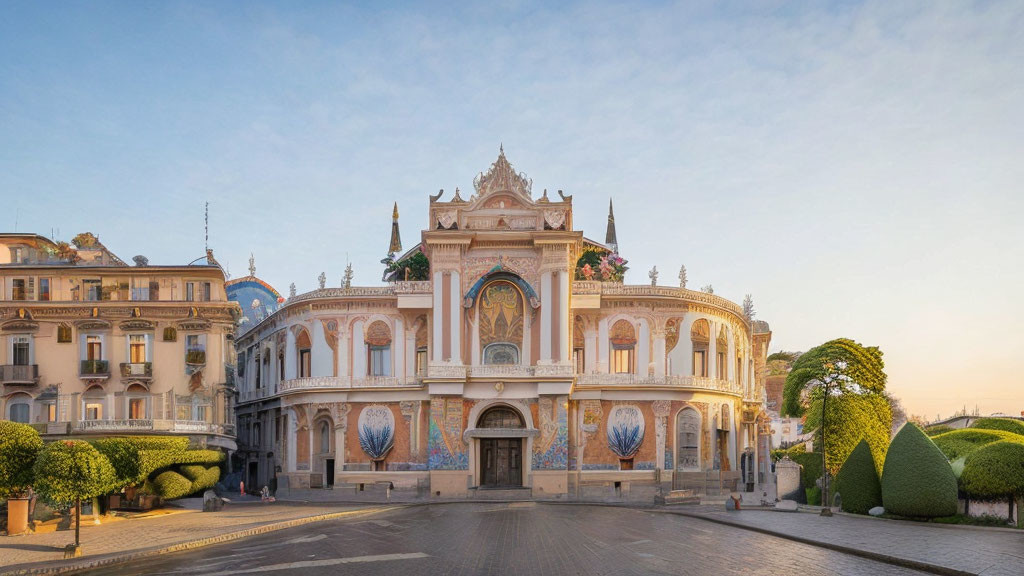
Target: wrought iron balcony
19 374
121 425
95 369
195 357
139 370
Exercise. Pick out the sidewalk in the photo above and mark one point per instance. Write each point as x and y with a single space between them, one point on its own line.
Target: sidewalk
181 529
937 548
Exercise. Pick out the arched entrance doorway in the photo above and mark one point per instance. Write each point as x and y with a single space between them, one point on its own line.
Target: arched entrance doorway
501 458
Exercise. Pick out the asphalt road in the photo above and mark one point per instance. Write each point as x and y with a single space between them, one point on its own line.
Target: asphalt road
518 538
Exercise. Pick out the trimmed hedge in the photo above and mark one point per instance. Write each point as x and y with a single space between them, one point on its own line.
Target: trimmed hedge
936 430
811 462
125 454
917 480
154 460
995 470
203 478
67 470
857 481
170 485
1004 424
960 443
19 446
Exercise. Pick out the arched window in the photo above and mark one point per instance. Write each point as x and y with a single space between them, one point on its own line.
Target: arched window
378 349
137 395
688 439
19 408
721 354
501 417
92 403
622 339
500 314
303 349
700 336
325 437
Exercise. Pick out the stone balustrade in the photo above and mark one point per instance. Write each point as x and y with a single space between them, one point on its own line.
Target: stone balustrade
581 288
337 382
672 381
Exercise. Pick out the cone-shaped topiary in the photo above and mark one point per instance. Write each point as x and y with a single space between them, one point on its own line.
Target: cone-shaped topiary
917 480
858 481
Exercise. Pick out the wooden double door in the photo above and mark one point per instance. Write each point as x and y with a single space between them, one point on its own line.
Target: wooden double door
501 461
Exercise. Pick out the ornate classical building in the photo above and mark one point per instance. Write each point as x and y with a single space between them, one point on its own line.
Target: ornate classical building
93 346
504 351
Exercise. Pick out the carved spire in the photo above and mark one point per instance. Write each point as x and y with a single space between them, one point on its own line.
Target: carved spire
609 237
396 239
252 265
501 177
347 278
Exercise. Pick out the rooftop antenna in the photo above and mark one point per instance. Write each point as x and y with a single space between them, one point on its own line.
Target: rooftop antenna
17 213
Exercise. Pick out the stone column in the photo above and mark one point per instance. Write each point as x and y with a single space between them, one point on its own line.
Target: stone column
436 343
343 349
289 356
590 359
456 311
564 336
398 349
659 353
643 360
358 351
410 354
713 351
602 346
545 316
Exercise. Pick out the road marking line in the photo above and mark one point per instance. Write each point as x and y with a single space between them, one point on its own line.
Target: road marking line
319 563
305 539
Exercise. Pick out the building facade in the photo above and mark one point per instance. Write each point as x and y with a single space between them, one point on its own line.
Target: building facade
504 351
93 346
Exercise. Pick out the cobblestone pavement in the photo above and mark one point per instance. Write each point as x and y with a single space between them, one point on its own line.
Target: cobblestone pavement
977 551
513 538
128 535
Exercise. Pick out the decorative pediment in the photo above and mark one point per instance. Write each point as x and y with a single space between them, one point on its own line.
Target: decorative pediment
194 325
92 324
137 324
20 326
501 177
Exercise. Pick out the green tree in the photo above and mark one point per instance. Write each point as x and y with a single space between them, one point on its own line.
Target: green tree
917 480
19 446
853 375
858 481
68 471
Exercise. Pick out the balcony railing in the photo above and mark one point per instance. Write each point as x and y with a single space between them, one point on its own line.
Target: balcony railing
95 368
137 369
195 357
673 382
512 371
343 383
19 374
126 425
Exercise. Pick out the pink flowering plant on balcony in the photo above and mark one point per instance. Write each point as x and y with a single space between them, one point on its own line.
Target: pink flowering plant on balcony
602 266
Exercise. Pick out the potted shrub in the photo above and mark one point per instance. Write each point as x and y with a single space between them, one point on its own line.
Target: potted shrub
19 446
67 471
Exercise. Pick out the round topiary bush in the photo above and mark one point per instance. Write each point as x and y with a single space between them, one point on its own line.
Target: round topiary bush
960 443
19 446
71 470
858 481
170 485
917 480
1004 424
994 471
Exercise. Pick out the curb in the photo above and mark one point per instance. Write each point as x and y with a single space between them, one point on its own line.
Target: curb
111 560
885 558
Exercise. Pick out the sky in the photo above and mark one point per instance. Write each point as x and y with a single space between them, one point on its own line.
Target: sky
855 167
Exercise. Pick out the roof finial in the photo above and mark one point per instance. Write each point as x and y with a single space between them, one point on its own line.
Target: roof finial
396 240
252 265
609 237
501 148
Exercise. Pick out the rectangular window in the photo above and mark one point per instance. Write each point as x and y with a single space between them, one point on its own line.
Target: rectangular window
137 409
206 292
280 367
700 367
200 413
44 289
21 351
577 360
18 291
379 361
304 363
190 291
622 360
17 255
721 368
136 348
140 289
51 412
154 290
421 362
20 413
91 289
93 348
93 411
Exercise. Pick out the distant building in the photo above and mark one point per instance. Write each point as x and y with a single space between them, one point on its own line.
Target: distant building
518 360
967 420
93 346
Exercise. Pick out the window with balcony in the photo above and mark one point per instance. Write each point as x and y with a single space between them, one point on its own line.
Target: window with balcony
19 289
136 348
195 349
93 348
21 350
305 356
136 408
380 361
50 409
93 411
622 361
700 336
44 290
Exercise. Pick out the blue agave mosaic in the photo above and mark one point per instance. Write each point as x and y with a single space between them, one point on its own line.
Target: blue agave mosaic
376 431
625 430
